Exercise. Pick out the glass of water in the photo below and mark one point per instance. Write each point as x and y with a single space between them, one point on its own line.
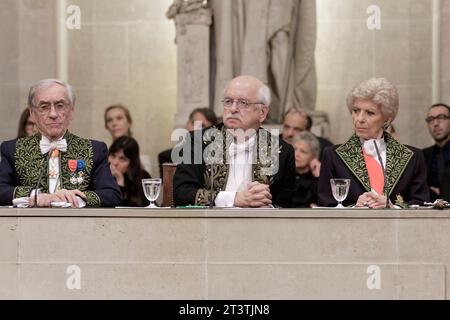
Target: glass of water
151 187
340 188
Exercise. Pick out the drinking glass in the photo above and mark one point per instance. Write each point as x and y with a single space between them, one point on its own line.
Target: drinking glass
151 188
340 188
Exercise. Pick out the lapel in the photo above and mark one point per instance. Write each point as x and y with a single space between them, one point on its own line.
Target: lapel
29 162
351 154
262 166
77 149
397 159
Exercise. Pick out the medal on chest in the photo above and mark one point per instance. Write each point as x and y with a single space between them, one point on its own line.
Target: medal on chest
77 174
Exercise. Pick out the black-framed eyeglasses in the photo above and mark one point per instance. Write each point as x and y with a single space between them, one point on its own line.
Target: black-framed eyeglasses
241 104
440 117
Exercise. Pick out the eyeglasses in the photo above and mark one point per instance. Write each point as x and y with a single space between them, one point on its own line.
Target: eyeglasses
46 107
440 117
241 104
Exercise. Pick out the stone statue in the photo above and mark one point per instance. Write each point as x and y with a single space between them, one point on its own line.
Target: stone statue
185 6
273 40
192 20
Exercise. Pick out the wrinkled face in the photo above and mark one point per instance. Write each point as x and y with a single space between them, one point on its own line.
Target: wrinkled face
52 112
119 161
438 121
251 117
117 123
293 123
303 154
368 119
198 117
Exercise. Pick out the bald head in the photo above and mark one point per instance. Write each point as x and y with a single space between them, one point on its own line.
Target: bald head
248 100
251 84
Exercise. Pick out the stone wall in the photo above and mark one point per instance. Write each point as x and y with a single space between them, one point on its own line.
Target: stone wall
125 53
27 54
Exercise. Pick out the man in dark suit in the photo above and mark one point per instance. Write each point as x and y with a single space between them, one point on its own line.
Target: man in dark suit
437 157
249 166
56 164
296 120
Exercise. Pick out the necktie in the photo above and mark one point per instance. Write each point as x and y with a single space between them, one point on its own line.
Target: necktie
375 171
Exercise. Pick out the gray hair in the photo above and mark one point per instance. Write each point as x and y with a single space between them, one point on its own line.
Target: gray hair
264 95
45 83
310 139
378 90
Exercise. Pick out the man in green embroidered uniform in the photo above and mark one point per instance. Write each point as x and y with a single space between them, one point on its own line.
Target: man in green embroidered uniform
55 167
238 173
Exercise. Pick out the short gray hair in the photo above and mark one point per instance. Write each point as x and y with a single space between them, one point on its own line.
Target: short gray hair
264 95
310 139
378 90
45 83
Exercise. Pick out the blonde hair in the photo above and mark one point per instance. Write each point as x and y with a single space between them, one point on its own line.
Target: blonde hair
378 90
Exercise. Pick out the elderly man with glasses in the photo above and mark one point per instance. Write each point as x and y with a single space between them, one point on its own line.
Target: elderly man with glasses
437 156
55 167
242 164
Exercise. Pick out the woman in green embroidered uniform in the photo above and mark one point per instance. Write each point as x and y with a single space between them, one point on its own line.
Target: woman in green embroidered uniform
376 163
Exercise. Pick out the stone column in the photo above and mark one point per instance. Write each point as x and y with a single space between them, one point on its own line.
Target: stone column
193 29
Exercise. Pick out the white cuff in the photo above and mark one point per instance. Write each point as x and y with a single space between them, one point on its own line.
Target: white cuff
34 191
225 199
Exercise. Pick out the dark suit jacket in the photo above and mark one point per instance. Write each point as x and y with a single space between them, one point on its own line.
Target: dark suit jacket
192 181
405 173
22 164
164 157
444 185
323 144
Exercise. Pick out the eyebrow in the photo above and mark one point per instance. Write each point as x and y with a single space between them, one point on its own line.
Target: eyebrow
439 114
57 101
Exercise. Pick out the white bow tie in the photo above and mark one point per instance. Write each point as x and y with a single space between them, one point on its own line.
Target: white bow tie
238 148
46 145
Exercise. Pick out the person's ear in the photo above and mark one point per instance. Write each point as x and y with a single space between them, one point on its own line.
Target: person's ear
71 112
264 111
31 115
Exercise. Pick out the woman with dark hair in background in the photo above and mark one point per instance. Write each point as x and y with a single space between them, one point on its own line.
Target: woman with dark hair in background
27 127
126 168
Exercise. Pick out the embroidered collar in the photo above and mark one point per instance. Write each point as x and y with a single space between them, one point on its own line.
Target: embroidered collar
397 158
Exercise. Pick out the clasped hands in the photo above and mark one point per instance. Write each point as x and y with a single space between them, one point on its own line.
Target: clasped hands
256 195
63 195
372 200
